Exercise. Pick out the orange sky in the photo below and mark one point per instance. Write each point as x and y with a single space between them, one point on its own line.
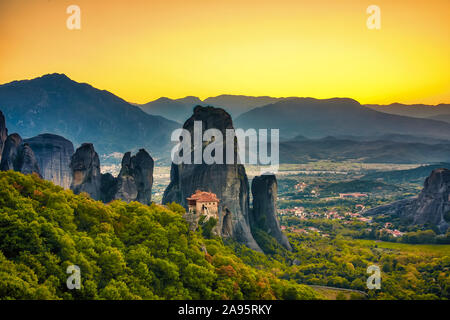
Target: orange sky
141 50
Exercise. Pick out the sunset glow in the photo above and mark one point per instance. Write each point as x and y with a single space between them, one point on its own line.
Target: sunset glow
141 50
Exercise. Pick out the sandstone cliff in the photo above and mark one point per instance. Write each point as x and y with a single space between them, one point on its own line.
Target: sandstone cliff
85 168
228 182
53 154
10 151
135 179
263 214
18 156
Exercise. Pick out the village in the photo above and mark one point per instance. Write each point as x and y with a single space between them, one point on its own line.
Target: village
345 218
315 205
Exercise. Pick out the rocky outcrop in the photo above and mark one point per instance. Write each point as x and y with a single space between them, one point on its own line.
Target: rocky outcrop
53 154
85 169
430 207
263 215
3 133
135 179
228 181
134 182
26 161
108 187
18 156
10 152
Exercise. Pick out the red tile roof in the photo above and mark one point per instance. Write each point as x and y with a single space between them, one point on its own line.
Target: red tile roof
203 196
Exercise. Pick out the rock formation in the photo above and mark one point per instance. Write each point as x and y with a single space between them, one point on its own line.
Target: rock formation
18 156
10 151
85 168
134 182
263 214
135 179
430 207
108 187
26 161
228 181
3 133
53 154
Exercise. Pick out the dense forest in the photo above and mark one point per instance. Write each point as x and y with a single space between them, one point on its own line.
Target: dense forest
134 251
124 251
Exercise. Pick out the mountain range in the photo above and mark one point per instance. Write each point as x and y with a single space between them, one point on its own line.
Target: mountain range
318 118
180 109
81 113
177 110
377 151
439 112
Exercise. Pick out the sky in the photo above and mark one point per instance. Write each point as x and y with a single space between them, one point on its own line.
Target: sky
142 50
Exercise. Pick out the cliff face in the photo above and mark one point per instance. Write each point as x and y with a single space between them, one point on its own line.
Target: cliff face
85 168
18 156
10 152
3 133
108 187
434 200
430 206
135 179
53 154
228 182
263 214
26 161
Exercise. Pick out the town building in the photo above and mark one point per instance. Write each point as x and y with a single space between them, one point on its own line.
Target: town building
204 203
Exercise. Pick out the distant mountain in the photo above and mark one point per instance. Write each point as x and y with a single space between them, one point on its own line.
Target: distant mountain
237 104
441 117
407 138
393 137
416 175
190 101
414 110
181 109
177 110
81 113
378 151
316 118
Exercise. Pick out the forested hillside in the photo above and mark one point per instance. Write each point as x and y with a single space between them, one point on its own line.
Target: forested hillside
124 251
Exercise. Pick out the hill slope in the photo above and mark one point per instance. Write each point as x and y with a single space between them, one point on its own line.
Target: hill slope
81 113
414 110
416 175
338 116
177 110
124 251
377 151
235 105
